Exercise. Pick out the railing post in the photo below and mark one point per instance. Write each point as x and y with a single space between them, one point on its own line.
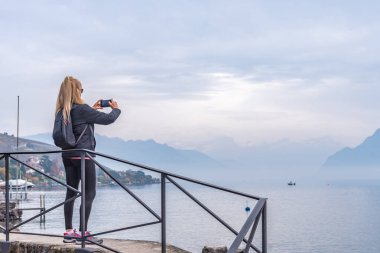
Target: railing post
163 213
5 245
264 228
44 200
83 196
7 197
41 210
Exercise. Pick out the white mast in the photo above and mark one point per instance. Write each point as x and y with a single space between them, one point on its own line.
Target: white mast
17 144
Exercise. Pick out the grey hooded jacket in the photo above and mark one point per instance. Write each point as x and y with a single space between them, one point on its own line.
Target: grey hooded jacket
82 115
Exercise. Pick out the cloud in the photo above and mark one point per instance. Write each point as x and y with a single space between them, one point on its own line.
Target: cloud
252 70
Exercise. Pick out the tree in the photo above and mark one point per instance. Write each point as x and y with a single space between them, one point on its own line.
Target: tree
13 167
46 163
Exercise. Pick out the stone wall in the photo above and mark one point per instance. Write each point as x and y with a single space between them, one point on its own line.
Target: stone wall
27 247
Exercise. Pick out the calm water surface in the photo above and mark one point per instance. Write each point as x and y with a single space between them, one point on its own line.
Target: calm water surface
314 219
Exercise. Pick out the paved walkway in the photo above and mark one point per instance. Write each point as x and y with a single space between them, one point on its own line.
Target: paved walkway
125 246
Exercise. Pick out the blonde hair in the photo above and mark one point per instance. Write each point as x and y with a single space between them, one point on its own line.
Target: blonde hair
69 94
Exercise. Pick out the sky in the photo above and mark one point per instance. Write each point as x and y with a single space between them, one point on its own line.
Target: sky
187 73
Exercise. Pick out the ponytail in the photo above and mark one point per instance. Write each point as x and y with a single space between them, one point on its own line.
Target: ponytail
69 94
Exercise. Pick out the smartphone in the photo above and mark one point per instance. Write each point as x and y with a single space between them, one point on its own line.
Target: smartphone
105 102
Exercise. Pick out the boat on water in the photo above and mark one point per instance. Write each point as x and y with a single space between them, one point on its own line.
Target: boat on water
17 184
291 183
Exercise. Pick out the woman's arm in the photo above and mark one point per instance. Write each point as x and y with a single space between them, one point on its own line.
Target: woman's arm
92 116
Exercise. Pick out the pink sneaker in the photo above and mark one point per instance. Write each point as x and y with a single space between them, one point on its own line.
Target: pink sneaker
89 239
69 237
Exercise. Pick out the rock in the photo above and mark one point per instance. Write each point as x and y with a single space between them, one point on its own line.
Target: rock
214 249
218 250
21 247
12 205
14 213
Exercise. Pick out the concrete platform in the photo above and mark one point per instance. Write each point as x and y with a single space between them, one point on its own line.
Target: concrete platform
43 244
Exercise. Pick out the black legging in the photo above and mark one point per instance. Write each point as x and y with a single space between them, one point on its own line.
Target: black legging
73 176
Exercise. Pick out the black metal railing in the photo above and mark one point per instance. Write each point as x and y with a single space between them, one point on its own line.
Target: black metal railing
251 224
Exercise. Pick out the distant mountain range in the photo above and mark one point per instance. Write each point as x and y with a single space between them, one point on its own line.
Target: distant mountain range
280 154
9 143
367 154
360 162
283 159
53 164
151 153
224 158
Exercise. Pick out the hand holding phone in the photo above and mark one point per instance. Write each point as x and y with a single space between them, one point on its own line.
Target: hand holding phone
108 103
105 102
113 104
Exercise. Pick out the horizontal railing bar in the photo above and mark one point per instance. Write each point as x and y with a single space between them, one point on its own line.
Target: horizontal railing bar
31 209
126 189
46 175
143 167
174 175
59 236
45 212
29 233
36 152
215 187
243 231
126 228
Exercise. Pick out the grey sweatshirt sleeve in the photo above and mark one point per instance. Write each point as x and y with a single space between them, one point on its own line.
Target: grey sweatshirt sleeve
93 116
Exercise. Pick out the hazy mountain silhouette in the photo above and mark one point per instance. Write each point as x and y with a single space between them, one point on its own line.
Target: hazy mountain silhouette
8 143
223 158
362 161
151 153
282 159
367 154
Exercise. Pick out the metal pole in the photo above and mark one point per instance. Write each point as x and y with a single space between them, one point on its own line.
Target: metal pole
41 208
17 144
83 190
163 213
7 197
44 207
264 228
18 118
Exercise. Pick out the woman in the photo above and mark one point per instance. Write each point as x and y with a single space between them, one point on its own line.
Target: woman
83 118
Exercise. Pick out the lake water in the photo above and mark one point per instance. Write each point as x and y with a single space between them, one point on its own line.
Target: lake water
314 219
